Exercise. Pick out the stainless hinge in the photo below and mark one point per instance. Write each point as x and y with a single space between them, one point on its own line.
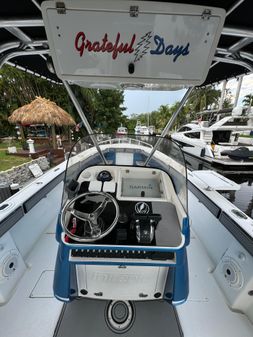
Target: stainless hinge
60 6
206 14
134 11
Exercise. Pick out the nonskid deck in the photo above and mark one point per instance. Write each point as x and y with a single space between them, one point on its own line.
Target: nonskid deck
205 314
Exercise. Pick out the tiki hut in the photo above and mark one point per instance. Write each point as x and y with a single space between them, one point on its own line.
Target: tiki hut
42 111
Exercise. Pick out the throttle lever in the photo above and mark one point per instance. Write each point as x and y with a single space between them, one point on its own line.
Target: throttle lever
145 227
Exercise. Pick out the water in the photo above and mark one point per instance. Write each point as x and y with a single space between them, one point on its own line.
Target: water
243 198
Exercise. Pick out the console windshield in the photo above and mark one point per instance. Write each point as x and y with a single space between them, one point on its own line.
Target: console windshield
129 151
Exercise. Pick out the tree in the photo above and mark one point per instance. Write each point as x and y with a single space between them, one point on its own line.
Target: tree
131 122
87 99
248 100
109 110
158 118
103 108
227 103
18 88
201 98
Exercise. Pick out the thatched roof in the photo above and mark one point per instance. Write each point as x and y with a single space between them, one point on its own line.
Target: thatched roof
41 110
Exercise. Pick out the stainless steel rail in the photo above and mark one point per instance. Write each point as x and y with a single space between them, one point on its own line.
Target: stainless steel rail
169 124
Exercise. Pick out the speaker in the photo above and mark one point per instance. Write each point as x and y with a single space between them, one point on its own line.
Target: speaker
9 264
235 278
232 272
12 267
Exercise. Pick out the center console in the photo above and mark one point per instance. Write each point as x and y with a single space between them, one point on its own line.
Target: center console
148 229
139 258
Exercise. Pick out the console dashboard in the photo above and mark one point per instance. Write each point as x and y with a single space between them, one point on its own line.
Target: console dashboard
149 223
128 183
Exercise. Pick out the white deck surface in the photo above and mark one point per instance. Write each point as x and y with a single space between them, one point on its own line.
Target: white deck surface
205 314
25 315
33 312
211 180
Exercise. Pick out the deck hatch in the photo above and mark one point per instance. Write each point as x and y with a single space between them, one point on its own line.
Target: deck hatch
101 45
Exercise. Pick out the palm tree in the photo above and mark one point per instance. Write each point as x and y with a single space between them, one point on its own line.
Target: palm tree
248 100
227 103
201 98
163 115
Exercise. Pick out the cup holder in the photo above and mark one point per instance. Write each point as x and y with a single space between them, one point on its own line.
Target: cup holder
3 206
239 214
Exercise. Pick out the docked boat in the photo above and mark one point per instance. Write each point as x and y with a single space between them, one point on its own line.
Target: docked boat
217 141
120 238
121 131
142 130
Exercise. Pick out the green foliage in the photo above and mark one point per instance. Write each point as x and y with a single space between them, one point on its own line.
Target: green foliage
18 88
202 98
199 100
131 121
8 161
157 118
103 108
10 142
248 100
109 111
227 103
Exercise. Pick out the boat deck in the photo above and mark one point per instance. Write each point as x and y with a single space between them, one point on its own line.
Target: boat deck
223 165
228 161
33 309
224 160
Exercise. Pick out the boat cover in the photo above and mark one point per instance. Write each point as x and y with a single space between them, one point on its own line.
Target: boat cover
242 153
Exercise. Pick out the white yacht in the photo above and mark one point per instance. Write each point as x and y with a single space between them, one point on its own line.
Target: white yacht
121 239
121 131
217 141
142 130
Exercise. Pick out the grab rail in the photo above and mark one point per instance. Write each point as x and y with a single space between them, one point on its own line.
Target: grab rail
126 140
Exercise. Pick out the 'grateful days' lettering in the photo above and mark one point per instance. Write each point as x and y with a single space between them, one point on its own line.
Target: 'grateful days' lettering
170 49
104 46
117 47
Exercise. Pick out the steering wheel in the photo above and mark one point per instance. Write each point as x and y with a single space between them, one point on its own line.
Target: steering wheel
93 223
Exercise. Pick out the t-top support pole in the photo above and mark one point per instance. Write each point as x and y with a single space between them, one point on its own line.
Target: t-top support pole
83 118
169 124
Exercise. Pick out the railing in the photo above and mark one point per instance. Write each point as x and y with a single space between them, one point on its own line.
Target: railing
125 140
21 203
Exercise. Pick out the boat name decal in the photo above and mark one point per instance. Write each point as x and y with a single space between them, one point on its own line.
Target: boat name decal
116 47
142 46
170 49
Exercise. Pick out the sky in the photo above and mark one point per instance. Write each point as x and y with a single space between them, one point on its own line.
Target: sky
137 101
